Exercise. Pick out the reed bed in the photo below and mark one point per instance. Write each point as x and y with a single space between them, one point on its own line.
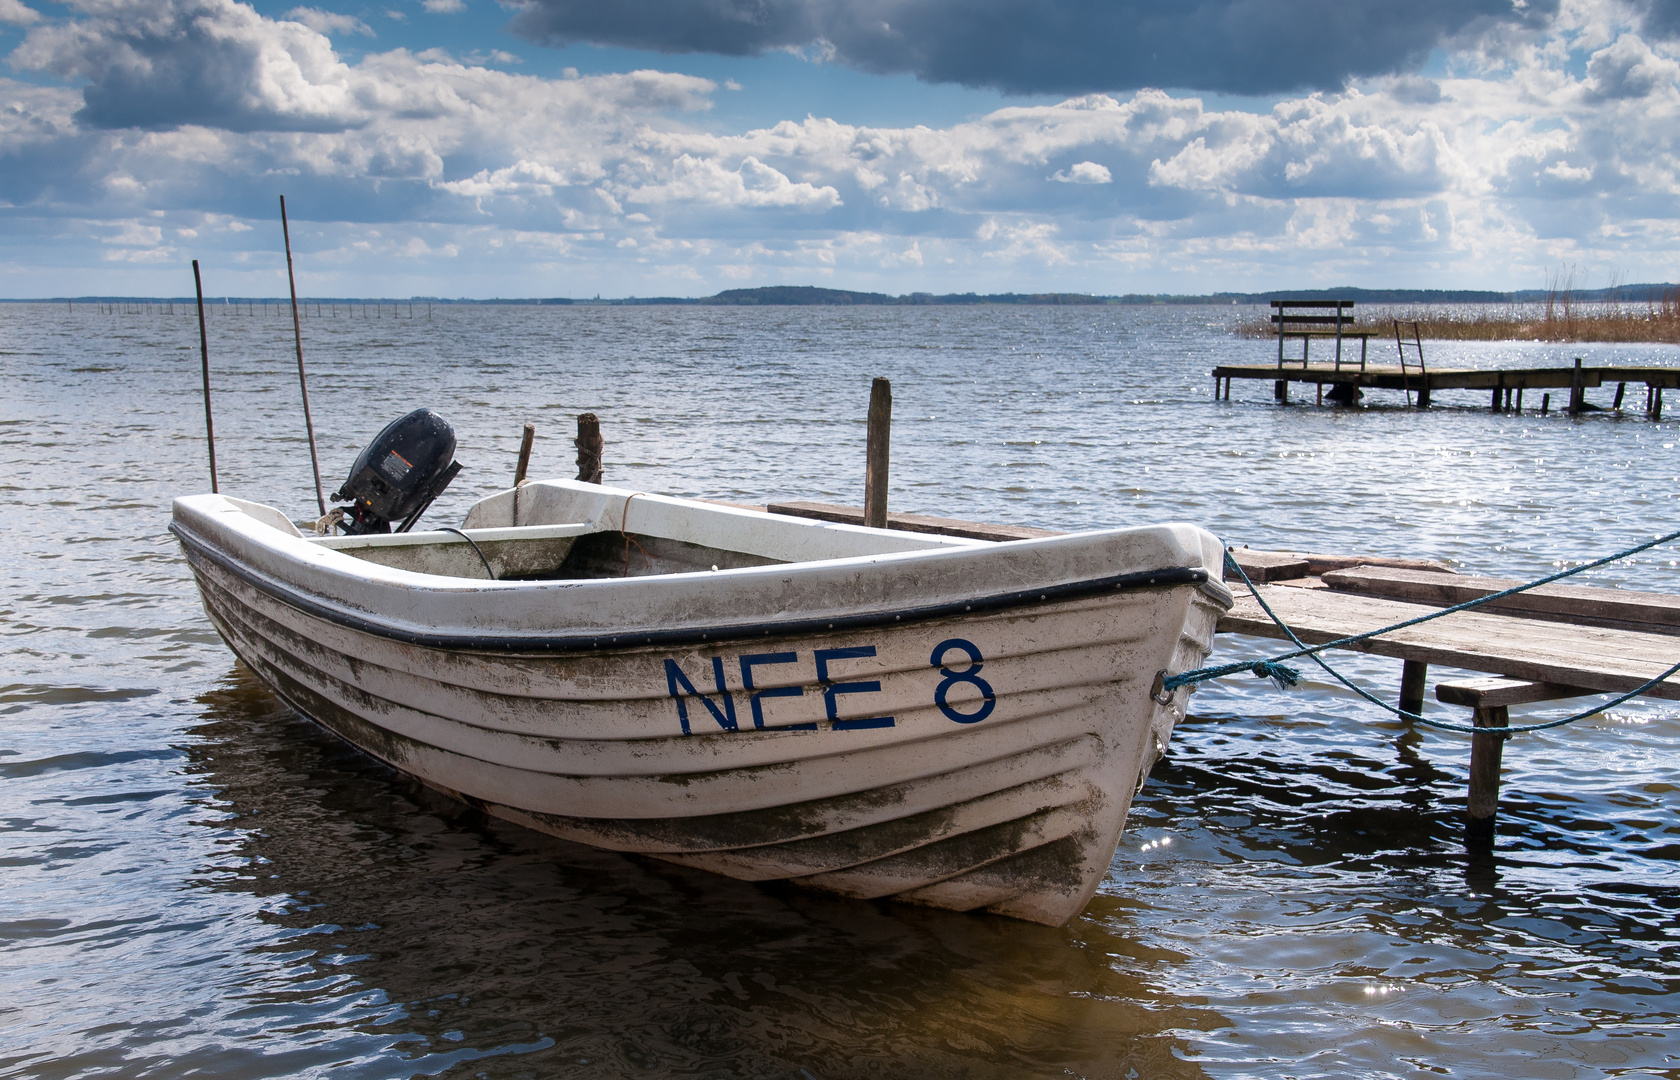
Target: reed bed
1560 317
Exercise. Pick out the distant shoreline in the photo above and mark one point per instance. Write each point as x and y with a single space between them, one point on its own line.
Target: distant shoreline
809 296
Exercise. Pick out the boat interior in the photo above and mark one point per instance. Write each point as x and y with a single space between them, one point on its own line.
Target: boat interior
567 530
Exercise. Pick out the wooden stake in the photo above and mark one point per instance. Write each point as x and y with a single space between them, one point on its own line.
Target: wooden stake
204 355
1577 390
303 381
590 446
1621 387
1486 752
879 444
524 454
1414 676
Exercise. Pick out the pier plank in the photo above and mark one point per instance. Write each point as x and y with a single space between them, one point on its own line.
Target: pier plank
1580 604
1598 659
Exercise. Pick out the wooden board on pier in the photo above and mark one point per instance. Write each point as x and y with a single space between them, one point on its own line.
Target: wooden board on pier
1622 609
1595 658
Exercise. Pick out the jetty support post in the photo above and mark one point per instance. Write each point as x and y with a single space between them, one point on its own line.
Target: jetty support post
1577 390
525 441
1656 405
1616 405
590 446
1414 675
879 444
1545 404
1280 390
1486 754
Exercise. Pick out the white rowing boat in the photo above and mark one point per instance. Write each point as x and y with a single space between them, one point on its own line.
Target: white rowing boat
939 720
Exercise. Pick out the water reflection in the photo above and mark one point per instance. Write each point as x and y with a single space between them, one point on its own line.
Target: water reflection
1292 897
444 936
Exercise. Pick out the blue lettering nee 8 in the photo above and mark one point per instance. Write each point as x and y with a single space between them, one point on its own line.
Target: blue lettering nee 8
719 701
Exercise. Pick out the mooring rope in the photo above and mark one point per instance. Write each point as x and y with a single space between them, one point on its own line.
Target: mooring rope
1286 676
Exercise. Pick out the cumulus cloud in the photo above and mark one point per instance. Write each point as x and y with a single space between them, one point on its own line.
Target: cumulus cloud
1085 172
214 62
17 13
327 22
1537 150
1054 46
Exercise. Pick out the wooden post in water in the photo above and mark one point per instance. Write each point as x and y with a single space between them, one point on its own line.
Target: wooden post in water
1577 390
879 443
524 454
1656 407
1545 404
1486 752
1519 400
590 446
1414 676
1617 404
204 355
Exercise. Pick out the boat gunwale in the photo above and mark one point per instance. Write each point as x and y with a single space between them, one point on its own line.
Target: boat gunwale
538 643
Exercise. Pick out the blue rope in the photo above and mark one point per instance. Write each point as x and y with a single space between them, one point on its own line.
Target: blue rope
1285 676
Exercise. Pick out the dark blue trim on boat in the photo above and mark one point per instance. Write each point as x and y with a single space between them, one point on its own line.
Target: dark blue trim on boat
514 642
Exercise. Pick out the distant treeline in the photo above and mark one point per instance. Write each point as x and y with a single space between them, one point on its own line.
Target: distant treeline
806 295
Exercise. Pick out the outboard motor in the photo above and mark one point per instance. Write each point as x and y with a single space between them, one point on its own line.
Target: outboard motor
399 474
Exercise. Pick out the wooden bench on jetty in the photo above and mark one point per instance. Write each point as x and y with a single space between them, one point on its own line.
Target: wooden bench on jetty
1304 320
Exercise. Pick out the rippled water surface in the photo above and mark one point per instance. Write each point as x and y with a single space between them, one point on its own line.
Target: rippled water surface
195 881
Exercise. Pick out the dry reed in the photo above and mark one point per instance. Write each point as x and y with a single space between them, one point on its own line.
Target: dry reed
1560 317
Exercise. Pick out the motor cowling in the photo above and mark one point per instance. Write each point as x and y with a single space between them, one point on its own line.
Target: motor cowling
399 473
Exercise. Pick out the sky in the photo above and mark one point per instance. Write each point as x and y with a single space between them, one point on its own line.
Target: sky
575 148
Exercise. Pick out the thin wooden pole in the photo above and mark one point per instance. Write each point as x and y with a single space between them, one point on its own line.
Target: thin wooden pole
303 381
879 449
204 355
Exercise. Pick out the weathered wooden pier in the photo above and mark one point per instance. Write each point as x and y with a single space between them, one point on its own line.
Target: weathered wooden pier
1504 386
1552 643
1331 323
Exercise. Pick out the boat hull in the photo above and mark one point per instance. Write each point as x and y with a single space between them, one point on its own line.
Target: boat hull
982 760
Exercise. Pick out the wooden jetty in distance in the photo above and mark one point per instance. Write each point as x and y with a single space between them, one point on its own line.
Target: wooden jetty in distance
1552 643
1505 386
1331 322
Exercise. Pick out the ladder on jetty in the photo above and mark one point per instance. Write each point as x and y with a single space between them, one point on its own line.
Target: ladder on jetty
1416 344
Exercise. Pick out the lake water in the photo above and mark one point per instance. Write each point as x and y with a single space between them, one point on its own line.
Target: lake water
195 881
